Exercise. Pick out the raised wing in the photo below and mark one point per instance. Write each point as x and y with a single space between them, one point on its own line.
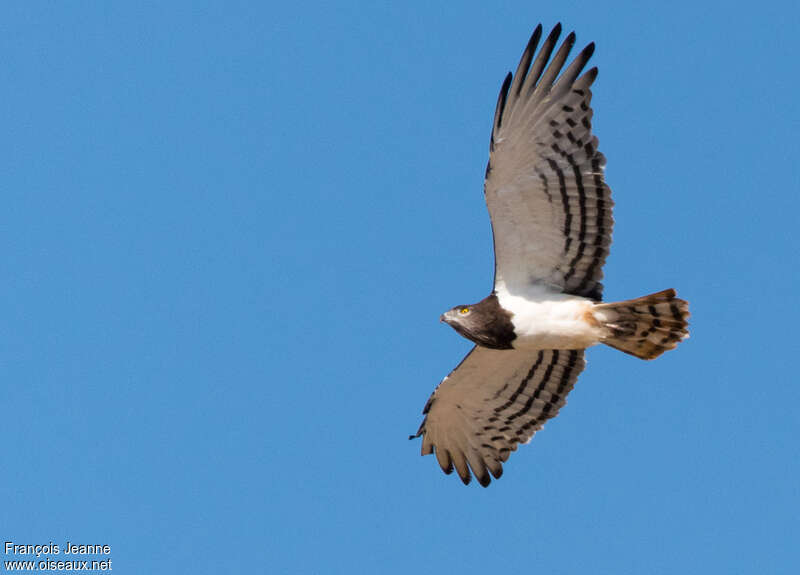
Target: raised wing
548 201
491 402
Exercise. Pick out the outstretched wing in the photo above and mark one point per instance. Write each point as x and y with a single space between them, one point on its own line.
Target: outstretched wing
491 402
549 204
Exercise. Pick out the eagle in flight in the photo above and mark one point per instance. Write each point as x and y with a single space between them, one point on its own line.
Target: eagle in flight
550 209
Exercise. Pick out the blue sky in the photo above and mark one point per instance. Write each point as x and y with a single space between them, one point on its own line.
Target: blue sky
229 230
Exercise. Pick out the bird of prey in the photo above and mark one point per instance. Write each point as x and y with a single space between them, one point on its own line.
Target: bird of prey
550 210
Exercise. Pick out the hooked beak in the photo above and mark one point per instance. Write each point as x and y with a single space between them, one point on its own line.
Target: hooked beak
442 318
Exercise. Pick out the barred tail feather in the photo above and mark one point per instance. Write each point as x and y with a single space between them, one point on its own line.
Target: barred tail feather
647 326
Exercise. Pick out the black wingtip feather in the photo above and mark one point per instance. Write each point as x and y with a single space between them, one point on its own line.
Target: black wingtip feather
501 100
552 38
525 60
498 112
542 58
586 53
534 39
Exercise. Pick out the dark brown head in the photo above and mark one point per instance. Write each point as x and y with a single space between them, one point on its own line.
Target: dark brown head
486 323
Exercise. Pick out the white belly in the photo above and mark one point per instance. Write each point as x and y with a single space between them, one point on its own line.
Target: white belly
546 320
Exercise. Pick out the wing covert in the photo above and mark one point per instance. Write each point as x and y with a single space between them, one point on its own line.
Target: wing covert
493 401
549 204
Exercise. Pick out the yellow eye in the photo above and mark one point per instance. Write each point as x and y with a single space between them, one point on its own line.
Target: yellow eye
463 310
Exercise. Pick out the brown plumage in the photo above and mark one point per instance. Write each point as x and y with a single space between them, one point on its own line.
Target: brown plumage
646 326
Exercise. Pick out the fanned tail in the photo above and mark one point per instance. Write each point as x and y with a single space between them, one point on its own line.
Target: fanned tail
647 326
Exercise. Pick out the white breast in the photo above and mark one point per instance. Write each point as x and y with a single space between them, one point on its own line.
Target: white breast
545 319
